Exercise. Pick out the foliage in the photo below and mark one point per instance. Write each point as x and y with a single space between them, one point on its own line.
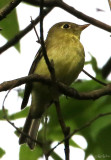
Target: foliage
26 153
9 25
2 152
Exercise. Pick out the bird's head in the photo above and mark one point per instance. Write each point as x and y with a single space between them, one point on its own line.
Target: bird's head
66 28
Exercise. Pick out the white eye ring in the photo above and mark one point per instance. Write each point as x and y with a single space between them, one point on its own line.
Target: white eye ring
66 26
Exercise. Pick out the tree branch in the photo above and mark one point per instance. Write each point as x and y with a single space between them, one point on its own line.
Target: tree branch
32 2
12 124
38 39
4 12
74 12
83 16
22 33
68 91
65 130
106 69
49 64
47 3
95 79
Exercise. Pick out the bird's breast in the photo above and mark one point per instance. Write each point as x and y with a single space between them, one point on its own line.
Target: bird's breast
68 59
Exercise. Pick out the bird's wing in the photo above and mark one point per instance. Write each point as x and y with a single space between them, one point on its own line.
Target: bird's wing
28 86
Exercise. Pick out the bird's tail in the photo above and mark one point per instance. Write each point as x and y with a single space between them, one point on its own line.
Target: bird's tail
31 129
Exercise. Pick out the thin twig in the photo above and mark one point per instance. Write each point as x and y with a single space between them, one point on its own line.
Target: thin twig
4 12
46 157
65 130
106 70
95 79
6 118
49 64
38 39
22 33
60 118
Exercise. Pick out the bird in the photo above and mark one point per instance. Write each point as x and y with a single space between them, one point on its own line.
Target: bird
64 48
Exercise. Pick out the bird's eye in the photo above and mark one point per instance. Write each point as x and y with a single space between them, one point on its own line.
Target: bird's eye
66 26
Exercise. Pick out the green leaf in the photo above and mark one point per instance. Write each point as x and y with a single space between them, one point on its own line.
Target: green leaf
55 156
20 93
17 133
74 144
2 114
9 24
18 115
2 152
94 64
27 154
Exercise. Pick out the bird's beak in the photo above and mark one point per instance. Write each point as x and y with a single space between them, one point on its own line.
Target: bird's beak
82 27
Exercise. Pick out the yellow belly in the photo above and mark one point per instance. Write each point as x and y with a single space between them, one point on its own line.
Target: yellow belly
67 64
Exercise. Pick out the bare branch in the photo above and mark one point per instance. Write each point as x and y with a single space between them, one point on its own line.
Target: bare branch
84 17
49 64
38 39
6 118
22 33
109 1
65 129
95 79
47 3
4 12
74 12
68 91
106 70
